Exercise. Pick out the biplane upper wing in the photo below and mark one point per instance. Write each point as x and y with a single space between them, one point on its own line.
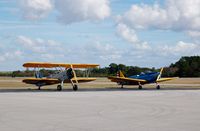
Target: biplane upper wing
52 65
125 79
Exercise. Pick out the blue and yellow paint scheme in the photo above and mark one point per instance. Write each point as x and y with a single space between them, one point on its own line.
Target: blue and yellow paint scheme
152 77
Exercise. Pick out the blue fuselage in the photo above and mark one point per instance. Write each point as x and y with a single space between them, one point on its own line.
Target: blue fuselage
150 77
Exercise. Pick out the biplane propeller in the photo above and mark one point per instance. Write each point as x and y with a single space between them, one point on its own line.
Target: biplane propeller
66 74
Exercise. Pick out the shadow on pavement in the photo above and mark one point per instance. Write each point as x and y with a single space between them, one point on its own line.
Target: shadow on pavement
93 89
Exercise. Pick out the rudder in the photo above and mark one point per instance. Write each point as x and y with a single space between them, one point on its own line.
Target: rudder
120 74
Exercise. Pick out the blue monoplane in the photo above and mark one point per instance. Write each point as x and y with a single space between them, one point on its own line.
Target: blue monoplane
145 78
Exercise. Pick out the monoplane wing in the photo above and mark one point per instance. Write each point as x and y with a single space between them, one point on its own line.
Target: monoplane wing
52 65
164 79
126 80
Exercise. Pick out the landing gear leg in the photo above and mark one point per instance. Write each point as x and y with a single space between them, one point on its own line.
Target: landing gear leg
59 87
140 86
122 86
157 86
75 87
39 87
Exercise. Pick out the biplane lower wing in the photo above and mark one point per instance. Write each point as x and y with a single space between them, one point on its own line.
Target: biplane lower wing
125 80
40 81
50 81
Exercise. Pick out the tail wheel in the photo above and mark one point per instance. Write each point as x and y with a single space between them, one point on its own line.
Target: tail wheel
59 87
75 87
158 87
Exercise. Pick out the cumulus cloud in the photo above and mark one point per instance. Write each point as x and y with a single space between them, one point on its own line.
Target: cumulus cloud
129 35
180 49
99 52
82 10
68 11
8 56
175 15
142 49
8 53
194 34
44 49
107 51
35 9
144 16
159 55
49 50
11 55
38 45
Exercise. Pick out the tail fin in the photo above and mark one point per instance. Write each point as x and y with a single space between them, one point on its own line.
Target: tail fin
159 76
120 74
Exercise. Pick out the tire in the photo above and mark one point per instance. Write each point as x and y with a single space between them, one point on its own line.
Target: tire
158 87
140 87
59 87
75 87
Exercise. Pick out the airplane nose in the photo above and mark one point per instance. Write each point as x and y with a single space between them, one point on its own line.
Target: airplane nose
70 74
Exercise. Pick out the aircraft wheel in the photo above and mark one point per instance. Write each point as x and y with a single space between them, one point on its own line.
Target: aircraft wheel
39 87
75 87
59 87
158 87
140 87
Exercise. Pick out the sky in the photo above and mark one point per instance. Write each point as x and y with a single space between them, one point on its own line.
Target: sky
146 33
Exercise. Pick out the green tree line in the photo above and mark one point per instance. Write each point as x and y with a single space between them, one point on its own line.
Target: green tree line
185 67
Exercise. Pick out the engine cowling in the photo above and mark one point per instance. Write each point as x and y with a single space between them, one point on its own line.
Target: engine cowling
70 73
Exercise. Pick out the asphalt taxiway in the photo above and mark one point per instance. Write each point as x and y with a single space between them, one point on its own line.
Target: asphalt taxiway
115 110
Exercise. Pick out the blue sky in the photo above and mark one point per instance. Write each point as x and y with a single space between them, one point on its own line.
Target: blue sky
144 33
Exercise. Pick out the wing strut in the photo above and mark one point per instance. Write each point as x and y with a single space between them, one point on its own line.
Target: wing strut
159 76
75 86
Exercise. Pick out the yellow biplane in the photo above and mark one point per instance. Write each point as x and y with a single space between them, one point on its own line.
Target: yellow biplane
65 74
